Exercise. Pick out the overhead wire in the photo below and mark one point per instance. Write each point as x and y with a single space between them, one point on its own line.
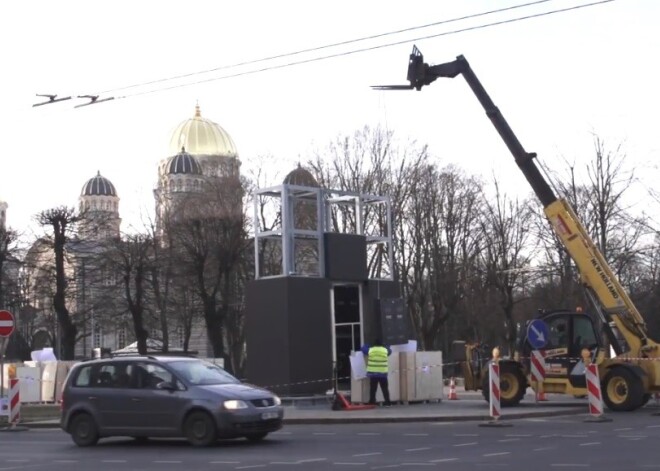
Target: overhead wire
327 46
371 48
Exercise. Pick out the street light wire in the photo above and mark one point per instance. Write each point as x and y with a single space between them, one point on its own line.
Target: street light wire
371 48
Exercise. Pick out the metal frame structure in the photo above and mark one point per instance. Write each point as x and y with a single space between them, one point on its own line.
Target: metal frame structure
324 201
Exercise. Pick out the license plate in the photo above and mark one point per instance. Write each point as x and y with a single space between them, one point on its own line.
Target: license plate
269 415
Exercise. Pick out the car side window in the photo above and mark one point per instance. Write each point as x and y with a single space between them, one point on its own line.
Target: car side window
558 328
104 378
84 377
150 375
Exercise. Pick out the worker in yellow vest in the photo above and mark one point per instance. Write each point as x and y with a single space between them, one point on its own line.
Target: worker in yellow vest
377 370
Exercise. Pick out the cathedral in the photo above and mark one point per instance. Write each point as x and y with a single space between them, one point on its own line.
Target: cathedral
200 153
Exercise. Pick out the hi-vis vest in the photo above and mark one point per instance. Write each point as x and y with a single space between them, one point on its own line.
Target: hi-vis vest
377 360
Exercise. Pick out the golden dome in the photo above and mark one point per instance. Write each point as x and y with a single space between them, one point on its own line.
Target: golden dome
201 136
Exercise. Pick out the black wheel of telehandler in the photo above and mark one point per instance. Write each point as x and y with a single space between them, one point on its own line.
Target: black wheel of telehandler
622 390
512 385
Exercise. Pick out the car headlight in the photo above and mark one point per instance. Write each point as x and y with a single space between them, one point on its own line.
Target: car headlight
234 404
277 401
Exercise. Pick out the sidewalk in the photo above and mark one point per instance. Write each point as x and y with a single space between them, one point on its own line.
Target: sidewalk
469 406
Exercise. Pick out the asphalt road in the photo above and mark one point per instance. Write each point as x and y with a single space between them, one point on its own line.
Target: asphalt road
630 442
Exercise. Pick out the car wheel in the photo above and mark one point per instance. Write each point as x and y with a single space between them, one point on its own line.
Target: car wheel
199 429
83 430
256 437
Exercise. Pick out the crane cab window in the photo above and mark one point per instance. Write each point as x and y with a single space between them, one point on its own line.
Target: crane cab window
558 329
584 335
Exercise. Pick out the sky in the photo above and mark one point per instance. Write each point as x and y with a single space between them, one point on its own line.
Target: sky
559 79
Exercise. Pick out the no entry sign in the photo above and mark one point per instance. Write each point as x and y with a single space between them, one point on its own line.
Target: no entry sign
6 324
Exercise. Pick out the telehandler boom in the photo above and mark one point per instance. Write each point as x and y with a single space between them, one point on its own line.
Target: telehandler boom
628 378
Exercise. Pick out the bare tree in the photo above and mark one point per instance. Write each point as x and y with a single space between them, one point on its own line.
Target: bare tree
62 221
505 255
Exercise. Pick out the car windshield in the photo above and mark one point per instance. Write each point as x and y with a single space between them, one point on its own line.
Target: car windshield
202 373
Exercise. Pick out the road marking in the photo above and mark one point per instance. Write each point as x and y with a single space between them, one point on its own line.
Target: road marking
521 435
17 461
369 454
113 461
581 435
571 465
282 433
436 424
168 462
349 464
415 434
65 461
324 433
419 449
312 460
622 429
284 462
632 436
652 426
252 466
509 440
467 444
416 464
386 466
466 434
543 448
369 433
224 462
497 454
444 460
589 443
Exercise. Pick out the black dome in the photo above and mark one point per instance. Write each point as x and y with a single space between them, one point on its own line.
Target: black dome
183 163
301 177
98 186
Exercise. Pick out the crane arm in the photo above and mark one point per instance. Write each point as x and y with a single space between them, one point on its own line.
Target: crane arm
614 304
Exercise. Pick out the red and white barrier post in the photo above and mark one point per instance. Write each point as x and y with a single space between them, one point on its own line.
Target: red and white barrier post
14 402
494 390
593 390
537 367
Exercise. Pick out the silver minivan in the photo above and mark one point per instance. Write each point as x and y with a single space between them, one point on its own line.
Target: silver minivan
162 396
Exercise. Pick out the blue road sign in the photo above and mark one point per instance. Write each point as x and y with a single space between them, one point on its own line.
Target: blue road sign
537 333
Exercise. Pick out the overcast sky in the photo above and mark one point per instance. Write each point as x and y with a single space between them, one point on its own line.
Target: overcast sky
557 78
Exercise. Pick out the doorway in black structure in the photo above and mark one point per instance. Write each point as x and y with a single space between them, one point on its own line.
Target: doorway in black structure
346 328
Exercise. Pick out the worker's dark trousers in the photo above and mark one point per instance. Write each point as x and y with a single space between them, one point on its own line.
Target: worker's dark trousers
374 381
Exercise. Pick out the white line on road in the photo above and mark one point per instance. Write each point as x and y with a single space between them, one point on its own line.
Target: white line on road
348 464
652 426
497 454
324 433
503 440
622 429
444 460
312 460
252 466
284 462
386 466
544 448
224 462
369 433
113 461
17 461
369 454
581 435
466 434
65 461
467 444
569 465
168 462
442 423
415 434
520 435
417 464
589 443
419 449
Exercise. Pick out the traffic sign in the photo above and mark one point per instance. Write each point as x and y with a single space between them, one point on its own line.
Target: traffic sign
6 324
537 333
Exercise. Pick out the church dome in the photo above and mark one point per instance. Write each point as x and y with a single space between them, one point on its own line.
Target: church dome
98 186
201 136
183 163
301 177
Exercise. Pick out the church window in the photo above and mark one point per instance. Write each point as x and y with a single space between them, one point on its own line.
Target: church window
98 337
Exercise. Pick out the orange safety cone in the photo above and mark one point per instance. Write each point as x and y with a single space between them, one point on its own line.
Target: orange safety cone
452 390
